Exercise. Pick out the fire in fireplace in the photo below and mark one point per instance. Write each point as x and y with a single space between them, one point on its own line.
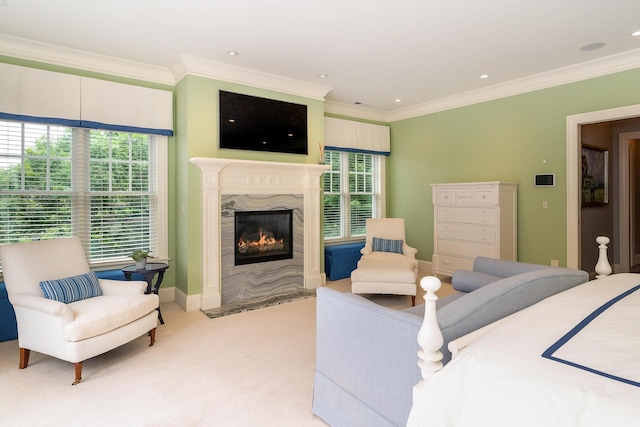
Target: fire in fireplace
262 236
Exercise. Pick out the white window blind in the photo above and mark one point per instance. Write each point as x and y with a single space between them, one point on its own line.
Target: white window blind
352 193
101 186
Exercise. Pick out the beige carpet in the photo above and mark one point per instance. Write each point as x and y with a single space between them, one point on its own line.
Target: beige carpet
246 369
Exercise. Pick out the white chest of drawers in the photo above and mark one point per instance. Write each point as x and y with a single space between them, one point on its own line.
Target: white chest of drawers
473 219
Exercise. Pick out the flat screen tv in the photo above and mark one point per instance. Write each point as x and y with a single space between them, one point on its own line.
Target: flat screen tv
260 124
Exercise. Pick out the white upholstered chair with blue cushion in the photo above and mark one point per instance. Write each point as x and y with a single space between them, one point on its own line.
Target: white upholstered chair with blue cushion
388 264
63 310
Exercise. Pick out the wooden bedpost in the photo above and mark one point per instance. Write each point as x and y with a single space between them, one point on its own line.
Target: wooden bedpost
603 268
429 337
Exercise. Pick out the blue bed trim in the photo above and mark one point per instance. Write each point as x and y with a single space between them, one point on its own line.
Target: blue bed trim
562 341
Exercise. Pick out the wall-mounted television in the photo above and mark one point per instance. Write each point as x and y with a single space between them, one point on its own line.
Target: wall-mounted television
261 124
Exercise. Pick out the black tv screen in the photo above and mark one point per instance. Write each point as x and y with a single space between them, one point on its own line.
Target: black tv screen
260 124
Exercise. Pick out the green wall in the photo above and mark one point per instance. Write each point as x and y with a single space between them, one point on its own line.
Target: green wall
197 136
508 139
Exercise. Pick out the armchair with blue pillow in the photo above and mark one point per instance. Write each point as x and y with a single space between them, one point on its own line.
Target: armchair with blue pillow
388 264
63 310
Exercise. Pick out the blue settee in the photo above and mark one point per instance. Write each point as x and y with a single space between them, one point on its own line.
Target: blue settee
8 326
366 354
341 260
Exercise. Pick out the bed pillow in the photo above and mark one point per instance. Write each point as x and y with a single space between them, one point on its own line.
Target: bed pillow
70 289
387 245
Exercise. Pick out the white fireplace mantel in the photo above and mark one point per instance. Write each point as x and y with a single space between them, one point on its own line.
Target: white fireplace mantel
228 176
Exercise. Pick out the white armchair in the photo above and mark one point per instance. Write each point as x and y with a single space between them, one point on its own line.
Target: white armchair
388 264
80 329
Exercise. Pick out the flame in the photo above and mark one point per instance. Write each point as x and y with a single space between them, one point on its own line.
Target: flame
265 243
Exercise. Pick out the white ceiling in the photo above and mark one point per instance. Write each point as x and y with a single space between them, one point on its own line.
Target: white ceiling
422 52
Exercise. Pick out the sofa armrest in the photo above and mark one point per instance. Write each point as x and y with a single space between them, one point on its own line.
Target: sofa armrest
48 306
469 281
503 268
122 287
366 351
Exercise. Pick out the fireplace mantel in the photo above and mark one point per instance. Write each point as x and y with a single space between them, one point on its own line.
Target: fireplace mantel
228 176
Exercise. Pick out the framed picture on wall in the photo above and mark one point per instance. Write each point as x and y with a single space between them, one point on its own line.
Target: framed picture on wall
595 176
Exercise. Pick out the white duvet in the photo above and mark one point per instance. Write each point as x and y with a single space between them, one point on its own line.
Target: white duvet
593 379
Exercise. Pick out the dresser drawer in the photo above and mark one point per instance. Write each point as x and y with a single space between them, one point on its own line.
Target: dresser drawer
474 233
486 216
445 196
448 264
466 249
484 196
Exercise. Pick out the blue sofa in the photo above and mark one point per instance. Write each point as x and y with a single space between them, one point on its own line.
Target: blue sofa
366 354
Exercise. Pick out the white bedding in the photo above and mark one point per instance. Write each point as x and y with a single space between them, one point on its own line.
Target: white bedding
502 379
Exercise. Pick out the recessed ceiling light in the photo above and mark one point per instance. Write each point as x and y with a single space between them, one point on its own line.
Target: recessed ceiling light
592 46
484 76
323 76
232 53
635 34
398 100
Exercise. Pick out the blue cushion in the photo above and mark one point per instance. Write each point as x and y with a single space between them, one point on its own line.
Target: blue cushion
72 289
387 245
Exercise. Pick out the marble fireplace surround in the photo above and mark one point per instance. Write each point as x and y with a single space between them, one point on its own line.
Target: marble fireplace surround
245 177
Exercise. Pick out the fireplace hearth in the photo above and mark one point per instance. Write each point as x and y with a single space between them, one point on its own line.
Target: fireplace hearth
262 236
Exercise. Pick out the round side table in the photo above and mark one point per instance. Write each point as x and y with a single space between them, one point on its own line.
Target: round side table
148 273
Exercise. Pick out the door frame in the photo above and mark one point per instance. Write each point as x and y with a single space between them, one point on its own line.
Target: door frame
574 170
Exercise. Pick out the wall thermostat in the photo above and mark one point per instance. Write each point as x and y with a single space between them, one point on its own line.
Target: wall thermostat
545 180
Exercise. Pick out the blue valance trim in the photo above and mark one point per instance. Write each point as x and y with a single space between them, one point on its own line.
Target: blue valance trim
123 128
85 124
45 120
357 150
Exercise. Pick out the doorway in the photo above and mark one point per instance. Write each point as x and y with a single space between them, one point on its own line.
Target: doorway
622 196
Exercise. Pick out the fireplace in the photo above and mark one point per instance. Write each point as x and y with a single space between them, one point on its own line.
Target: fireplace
229 186
262 236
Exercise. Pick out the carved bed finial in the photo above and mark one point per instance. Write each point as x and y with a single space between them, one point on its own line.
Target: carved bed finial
429 337
603 268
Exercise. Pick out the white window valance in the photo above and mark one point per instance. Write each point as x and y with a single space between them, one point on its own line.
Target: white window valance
347 135
29 94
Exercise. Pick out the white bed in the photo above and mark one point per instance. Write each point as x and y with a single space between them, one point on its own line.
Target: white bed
592 378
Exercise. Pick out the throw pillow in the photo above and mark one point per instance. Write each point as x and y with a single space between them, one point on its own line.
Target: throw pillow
387 245
72 289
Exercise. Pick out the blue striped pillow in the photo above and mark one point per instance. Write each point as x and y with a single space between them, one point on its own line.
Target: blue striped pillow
72 289
387 245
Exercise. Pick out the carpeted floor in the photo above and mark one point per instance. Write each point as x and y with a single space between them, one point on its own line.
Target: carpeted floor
257 303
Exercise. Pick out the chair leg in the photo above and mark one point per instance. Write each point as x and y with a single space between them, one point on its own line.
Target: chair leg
413 300
24 357
152 334
78 367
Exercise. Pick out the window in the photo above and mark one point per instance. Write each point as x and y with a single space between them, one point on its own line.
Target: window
102 186
352 193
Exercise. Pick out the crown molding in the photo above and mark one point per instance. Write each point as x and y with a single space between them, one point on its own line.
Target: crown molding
56 55
355 111
583 71
218 71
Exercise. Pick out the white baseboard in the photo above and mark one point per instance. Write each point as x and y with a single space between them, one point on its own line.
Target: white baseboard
187 302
